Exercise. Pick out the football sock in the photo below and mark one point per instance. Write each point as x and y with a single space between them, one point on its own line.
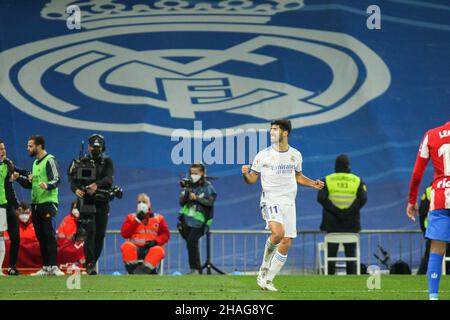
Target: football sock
268 253
276 264
434 274
2 251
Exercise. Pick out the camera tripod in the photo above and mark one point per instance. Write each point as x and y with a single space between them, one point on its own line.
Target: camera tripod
208 264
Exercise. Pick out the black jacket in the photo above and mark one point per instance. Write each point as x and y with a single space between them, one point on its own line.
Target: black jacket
206 196
341 220
424 208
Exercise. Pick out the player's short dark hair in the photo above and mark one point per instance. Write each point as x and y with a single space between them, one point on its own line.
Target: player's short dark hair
25 206
342 163
197 165
38 140
284 124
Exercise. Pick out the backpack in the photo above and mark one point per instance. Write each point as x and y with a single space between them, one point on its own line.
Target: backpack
399 267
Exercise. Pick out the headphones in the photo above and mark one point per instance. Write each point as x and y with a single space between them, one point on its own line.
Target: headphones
97 139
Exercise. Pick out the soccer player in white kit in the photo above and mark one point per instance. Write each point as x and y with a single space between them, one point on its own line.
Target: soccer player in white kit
280 167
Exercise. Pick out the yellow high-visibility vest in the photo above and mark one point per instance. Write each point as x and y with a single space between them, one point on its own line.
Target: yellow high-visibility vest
342 188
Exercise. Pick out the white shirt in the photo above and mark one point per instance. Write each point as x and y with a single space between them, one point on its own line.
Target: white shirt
277 170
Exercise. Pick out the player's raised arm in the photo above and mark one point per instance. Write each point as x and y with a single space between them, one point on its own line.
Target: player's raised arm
249 176
307 182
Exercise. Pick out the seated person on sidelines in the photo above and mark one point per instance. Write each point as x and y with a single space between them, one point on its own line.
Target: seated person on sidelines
147 232
29 251
69 250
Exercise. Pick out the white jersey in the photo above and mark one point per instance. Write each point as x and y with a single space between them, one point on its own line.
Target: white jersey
277 170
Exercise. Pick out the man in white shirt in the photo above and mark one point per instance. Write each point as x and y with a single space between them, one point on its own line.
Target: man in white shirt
280 167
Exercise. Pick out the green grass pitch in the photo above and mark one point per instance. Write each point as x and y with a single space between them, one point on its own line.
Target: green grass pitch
216 287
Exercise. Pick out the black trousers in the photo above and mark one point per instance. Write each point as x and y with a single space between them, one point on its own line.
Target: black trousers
192 237
14 234
43 218
350 251
96 230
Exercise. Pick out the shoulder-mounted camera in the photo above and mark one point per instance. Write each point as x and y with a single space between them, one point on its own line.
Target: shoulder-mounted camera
83 170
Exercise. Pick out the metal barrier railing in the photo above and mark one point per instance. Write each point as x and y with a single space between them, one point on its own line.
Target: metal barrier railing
242 250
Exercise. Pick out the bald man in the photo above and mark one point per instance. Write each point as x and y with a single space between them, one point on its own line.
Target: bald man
146 233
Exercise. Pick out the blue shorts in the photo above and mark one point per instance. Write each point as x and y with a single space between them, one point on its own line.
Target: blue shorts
438 225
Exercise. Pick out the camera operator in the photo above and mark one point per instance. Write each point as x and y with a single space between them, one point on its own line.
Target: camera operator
197 208
94 209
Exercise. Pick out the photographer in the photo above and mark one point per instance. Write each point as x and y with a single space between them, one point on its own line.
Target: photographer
89 186
197 200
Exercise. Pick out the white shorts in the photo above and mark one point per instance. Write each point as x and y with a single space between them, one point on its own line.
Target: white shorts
281 213
3 223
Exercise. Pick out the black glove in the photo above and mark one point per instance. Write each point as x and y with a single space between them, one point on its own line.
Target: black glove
185 195
150 244
141 215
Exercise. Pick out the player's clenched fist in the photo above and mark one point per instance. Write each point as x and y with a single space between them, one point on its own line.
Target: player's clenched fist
245 169
318 184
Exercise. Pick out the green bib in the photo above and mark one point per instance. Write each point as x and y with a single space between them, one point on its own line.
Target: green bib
39 195
197 215
342 189
3 174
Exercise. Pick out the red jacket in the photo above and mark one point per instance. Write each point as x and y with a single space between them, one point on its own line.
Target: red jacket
67 228
151 228
69 251
29 251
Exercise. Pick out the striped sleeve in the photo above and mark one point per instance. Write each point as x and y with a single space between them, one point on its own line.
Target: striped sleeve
422 159
299 160
52 174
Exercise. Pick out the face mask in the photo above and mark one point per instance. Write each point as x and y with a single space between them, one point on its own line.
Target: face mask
96 153
195 177
76 213
142 207
24 217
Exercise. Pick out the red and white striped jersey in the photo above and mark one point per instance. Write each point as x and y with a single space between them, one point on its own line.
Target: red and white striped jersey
435 145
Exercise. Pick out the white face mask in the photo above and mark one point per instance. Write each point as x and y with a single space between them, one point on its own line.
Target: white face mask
142 207
24 217
76 213
195 177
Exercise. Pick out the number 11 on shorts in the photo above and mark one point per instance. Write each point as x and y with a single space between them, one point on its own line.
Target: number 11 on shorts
271 212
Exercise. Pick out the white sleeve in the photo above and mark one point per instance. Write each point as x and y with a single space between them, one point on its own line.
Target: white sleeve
424 151
298 167
256 165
